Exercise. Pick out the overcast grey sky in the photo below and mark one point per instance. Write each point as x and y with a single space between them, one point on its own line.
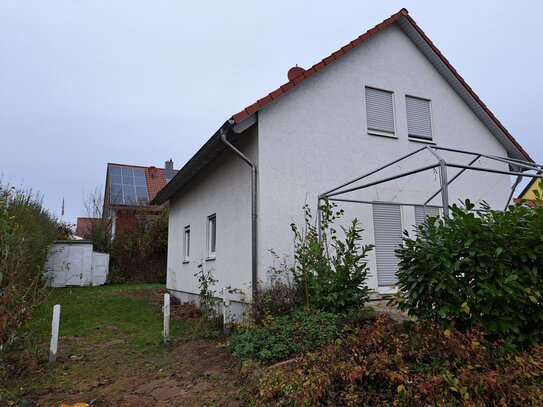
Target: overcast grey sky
87 82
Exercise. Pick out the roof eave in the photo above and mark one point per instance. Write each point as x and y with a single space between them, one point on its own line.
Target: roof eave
455 80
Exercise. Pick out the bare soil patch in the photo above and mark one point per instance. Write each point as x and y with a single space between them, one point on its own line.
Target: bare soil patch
113 372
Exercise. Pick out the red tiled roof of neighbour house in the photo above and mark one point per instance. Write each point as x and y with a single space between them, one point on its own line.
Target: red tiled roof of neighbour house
529 202
155 177
156 180
249 110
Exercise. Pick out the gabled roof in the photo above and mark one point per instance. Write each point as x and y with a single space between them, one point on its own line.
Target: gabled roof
214 146
155 180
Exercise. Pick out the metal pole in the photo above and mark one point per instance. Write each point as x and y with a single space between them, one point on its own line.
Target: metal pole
513 161
494 171
444 187
54 334
515 185
381 202
452 179
373 172
405 174
319 219
434 153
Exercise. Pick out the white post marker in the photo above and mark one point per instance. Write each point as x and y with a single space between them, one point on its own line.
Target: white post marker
226 306
54 334
166 309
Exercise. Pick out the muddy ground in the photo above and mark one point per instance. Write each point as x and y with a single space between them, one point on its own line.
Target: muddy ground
191 373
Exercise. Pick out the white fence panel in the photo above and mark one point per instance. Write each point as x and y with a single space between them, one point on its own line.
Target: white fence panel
100 268
73 263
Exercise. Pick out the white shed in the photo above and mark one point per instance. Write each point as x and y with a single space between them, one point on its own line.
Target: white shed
74 263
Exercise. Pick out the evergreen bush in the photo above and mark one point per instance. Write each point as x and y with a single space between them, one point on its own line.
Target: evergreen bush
483 268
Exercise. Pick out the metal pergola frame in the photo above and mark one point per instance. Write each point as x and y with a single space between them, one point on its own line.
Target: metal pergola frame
519 168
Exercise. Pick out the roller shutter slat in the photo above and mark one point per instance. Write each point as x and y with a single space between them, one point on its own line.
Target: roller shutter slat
387 224
379 110
419 120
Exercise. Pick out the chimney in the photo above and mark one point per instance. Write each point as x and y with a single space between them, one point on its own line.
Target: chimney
168 170
294 72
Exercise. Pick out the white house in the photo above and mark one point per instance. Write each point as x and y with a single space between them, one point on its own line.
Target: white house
386 93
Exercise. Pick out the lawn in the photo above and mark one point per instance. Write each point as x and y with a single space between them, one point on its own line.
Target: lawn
110 352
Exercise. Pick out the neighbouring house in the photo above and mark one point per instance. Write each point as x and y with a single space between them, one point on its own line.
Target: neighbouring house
85 225
383 95
528 191
129 189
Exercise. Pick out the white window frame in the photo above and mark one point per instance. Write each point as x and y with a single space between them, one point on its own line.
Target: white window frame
373 132
211 236
186 244
415 138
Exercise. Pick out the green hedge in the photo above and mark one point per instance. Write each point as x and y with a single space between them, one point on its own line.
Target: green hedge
140 255
27 231
483 268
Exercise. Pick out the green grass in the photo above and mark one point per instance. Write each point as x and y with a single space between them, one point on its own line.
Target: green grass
118 337
98 313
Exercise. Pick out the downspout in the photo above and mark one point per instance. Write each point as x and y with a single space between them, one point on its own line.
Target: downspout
224 133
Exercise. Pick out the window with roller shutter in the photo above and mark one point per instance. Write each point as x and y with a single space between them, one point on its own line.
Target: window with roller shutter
380 112
423 212
419 119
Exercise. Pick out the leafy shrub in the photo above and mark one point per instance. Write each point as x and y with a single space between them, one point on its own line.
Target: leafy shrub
207 294
330 274
140 255
384 363
27 231
478 269
99 233
275 297
282 337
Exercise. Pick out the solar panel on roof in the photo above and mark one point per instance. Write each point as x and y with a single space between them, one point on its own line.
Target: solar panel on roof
127 186
114 169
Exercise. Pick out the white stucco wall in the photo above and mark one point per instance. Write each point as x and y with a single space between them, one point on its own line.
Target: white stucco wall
315 138
223 189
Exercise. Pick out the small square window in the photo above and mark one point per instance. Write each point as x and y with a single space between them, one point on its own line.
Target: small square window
186 244
211 236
